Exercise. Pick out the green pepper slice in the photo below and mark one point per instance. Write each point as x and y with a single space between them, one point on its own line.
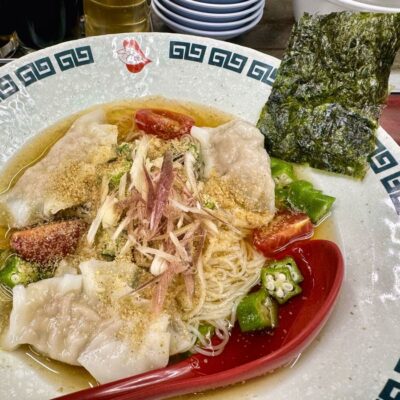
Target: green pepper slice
279 283
257 311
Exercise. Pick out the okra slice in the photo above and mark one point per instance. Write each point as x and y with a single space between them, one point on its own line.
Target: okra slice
279 284
302 196
282 172
290 264
16 271
257 311
318 206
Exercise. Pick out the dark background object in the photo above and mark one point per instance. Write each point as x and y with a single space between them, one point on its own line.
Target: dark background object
42 23
7 19
7 27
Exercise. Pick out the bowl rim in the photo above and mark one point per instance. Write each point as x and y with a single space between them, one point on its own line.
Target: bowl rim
361 6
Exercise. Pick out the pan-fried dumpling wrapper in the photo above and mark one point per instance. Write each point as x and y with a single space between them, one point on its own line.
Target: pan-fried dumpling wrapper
238 171
64 177
54 316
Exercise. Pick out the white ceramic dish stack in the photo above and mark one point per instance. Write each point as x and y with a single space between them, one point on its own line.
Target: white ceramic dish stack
221 19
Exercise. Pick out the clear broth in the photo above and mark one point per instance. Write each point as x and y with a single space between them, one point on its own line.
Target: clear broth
66 378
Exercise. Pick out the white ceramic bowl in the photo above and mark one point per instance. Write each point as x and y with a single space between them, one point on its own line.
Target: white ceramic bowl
356 355
209 16
208 26
327 6
216 34
216 8
220 1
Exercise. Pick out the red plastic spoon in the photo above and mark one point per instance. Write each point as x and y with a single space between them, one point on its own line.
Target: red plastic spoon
247 355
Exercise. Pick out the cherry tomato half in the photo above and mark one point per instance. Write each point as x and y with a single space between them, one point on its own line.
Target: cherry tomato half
284 229
163 123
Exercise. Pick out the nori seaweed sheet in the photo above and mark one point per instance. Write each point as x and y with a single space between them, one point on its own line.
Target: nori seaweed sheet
329 91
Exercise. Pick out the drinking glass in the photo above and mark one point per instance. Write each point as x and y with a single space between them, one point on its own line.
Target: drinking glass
116 16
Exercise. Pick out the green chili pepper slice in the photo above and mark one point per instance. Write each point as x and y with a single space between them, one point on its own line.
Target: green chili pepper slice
257 311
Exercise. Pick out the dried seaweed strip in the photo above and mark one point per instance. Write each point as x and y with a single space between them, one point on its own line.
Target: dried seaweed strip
329 91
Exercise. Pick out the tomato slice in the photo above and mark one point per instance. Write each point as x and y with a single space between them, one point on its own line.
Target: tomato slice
163 123
284 229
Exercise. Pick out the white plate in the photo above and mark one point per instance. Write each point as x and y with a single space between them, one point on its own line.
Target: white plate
223 35
357 354
214 7
209 16
208 26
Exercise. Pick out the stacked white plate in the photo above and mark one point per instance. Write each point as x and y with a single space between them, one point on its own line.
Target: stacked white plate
220 19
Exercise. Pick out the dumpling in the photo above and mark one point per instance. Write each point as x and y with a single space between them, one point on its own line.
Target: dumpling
71 318
62 178
181 338
235 157
107 280
109 358
54 316
236 152
139 343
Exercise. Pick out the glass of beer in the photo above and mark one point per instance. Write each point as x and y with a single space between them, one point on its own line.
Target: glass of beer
116 16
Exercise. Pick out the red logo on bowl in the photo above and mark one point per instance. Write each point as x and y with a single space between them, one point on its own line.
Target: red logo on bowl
132 56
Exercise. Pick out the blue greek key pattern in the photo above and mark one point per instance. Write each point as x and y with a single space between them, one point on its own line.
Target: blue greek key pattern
392 182
44 67
391 390
187 51
226 59
382 160
223 59
262 72
7 87
32 72
72 58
